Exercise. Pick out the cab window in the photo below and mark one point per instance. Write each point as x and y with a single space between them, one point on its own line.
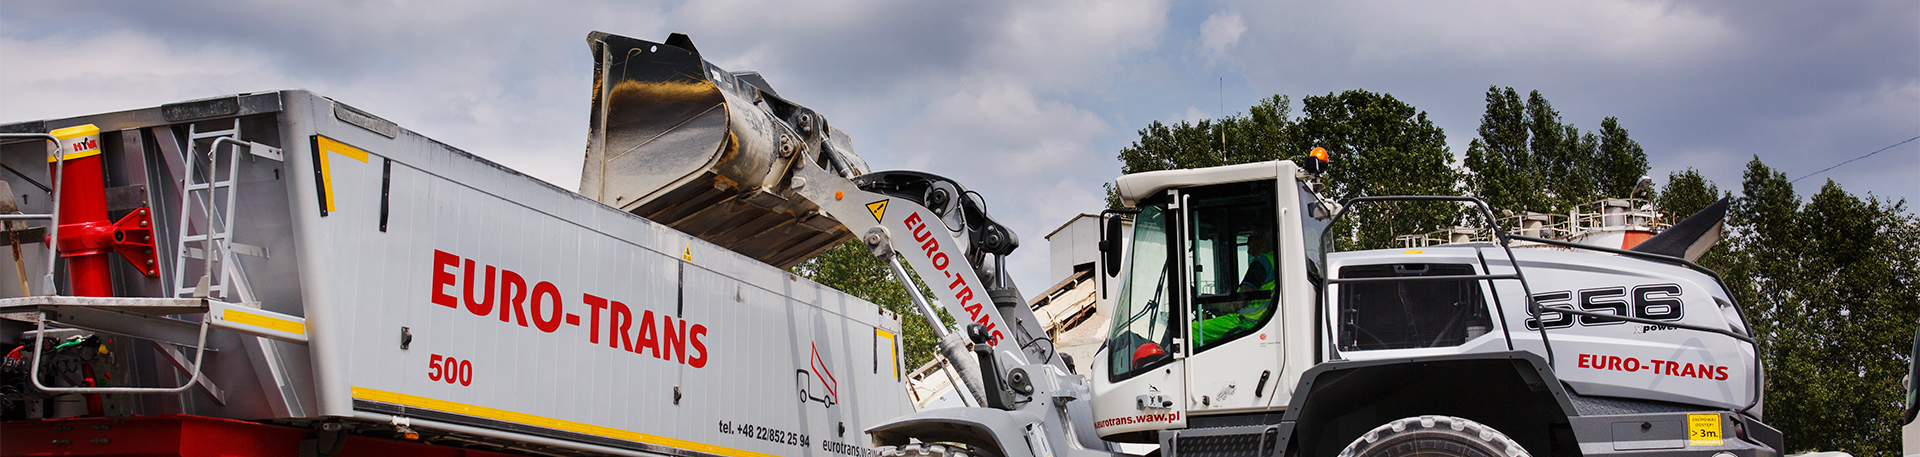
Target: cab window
1231 232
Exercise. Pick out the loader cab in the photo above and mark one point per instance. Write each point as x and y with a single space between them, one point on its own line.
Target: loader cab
1214 281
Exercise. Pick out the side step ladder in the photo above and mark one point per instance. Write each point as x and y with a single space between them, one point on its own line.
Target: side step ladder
142 318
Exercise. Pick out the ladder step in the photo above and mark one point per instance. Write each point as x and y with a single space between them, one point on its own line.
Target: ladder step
214 134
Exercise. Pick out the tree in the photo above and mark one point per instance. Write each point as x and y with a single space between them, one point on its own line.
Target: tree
851 268
1500 164
1621 162
1833 296
1528 159
1380 146
1257 136
1688 192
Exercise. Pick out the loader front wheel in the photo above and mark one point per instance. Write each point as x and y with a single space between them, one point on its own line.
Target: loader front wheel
1446 436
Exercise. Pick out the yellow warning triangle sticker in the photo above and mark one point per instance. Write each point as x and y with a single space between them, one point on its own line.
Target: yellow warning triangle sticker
687 254
879 209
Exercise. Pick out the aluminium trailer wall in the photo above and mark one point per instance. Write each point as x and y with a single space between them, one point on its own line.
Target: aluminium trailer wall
467 297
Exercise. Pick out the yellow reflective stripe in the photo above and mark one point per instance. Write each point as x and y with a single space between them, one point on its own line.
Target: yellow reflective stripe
362 393
326 171
890 349
266 322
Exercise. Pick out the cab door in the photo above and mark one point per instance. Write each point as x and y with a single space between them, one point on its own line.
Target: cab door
1234 296
1140 376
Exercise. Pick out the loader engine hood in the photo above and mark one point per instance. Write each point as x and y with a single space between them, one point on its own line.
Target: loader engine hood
677 140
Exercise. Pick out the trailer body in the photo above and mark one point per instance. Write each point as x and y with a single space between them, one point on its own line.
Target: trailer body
422 288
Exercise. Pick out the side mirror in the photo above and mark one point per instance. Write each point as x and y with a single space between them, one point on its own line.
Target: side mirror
1913 374
1110 248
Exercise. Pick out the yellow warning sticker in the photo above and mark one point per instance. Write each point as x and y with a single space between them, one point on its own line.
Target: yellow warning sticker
687 254
879 209
1704 430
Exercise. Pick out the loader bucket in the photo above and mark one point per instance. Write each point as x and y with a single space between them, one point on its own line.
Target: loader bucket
679 141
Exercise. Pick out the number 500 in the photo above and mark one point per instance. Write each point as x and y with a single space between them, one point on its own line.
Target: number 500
451 370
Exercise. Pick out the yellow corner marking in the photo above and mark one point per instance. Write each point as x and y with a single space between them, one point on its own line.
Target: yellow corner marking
891 353
687 254
1704 430
879 209
266 322
1415 252
362 393
327 145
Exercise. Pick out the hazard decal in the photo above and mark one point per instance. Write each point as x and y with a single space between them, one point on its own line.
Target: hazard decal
879 209
323 171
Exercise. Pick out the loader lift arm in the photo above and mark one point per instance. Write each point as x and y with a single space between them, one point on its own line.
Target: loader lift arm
1037 406
950 241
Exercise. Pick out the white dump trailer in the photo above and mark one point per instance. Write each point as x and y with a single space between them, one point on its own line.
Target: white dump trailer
353 280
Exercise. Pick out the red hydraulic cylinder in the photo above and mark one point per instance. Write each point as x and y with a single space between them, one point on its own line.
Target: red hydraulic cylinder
85 232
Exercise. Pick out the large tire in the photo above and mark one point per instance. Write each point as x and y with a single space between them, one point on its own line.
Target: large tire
1434 436
922 450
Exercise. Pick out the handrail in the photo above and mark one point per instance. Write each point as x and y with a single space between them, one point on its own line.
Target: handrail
1347 206
199 356
1505 242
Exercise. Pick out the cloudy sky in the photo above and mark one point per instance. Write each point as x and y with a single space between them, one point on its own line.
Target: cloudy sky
1029 102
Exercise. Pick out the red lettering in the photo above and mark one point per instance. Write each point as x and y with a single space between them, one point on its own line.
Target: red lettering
593 323
1583 360
513 294
1688 371
958 282
932 246
913 222
699 358
973 310
442 278
545 323
1632 365
648 339
674 342
618 325
1719 373
963 295
922 234
940 260
485 305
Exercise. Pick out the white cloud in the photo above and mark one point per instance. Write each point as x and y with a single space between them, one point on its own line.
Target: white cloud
57 77
1219 33
1000 130
1194 115
1616 32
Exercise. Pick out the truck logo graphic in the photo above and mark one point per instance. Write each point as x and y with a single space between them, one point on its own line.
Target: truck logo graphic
820 381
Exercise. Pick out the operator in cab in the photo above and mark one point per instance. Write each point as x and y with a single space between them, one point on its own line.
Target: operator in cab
1239 316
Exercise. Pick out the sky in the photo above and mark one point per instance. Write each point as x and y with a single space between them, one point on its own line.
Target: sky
1029 103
